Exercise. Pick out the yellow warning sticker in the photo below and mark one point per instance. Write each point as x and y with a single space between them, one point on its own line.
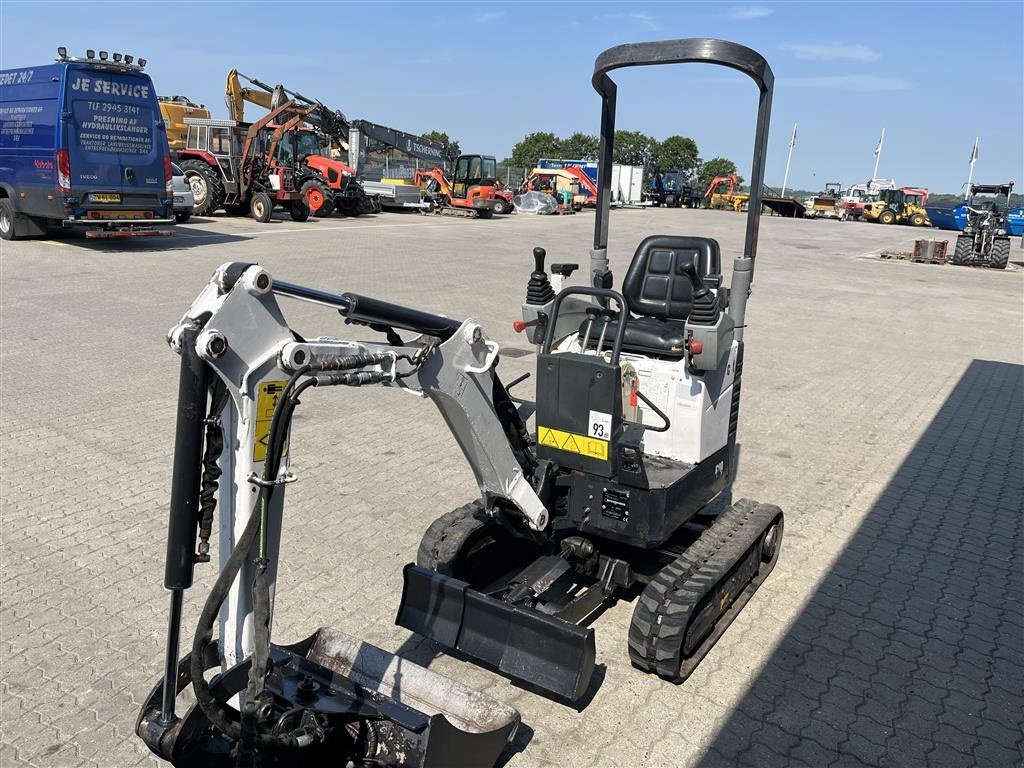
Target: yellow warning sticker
266 401
591 447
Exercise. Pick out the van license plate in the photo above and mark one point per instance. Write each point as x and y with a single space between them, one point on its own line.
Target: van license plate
104 197
120 215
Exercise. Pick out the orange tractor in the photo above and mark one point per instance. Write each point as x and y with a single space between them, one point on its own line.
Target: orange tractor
469 193
238 166
328 184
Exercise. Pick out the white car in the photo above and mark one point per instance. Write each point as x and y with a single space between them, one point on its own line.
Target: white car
183 198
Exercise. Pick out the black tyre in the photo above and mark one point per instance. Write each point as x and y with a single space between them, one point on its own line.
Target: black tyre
887 217
485 213
1000 253
348 205
206 184
319 198
501 207
261 207
962 251
299 211
469 545
182 216
7 219
918 220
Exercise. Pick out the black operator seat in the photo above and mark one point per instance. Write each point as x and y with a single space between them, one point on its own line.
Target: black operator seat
658 289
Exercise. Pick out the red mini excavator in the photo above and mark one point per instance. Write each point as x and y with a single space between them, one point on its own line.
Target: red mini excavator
469 193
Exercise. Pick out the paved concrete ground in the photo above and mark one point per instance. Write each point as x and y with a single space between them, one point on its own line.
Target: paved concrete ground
881 409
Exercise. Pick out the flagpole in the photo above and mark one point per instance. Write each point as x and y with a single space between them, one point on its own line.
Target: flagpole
792 143
878 155
970 176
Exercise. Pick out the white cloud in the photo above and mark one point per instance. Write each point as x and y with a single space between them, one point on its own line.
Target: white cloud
864 83
489 16
643 18
747 12
831 52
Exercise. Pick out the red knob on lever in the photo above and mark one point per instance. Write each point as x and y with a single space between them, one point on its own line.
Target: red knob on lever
696 347
521 325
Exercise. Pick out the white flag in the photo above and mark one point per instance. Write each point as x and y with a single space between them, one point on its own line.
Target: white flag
792 141
974 152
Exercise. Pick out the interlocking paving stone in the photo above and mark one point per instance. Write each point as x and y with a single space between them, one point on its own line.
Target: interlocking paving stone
881 411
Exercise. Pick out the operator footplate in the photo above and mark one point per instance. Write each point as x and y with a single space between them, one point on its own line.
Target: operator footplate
689 604
528 646
367 705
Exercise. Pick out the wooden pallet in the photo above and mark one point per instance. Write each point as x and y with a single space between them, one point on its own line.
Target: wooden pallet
925 252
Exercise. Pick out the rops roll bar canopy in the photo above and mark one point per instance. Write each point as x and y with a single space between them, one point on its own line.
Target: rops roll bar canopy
700 50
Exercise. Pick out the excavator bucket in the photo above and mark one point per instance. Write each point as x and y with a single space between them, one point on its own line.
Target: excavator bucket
420 719
526 645
278 98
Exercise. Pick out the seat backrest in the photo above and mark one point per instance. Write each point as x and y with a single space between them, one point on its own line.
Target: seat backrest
657 285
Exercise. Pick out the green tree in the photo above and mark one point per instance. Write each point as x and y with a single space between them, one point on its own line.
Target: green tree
633 148
452 152
676 152
535 146
580 146
716 166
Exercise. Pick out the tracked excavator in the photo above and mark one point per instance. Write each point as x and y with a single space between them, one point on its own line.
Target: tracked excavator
469 193
622 483
330 184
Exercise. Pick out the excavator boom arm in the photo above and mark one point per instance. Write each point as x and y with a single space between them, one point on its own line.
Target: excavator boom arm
435 174
331 122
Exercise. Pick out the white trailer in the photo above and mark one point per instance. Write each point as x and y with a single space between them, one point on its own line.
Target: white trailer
627 185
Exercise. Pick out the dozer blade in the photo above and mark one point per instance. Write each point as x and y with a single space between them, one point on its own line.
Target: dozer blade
526 645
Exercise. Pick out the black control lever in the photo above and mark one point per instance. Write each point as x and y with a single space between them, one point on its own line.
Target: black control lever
706 307
539 290
699 289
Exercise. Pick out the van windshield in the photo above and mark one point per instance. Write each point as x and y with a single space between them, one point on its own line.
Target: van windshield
113 113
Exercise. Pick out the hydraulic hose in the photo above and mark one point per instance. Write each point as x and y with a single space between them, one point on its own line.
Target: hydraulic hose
246 732
214 710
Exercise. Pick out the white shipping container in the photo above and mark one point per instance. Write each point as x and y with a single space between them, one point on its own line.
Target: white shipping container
627 184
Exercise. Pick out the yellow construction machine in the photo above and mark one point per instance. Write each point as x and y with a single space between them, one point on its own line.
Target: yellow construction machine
174 110
899 206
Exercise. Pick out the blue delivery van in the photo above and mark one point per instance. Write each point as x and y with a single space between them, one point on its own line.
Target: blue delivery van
83 146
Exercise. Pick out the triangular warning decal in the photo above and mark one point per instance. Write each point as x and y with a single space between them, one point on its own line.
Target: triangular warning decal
547 438
570 445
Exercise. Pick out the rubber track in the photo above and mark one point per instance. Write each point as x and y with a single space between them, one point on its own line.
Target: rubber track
662 613
445 537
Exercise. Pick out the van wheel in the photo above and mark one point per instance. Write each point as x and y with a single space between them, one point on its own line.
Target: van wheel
7 220
207 187
261 207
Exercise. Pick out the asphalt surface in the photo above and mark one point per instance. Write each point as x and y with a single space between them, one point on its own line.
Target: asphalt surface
882 410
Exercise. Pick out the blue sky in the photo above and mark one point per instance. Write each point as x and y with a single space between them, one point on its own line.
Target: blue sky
935 75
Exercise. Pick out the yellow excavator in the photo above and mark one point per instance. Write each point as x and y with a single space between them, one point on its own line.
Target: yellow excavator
174 110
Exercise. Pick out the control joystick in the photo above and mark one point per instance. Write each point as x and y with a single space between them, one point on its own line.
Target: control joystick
539 290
